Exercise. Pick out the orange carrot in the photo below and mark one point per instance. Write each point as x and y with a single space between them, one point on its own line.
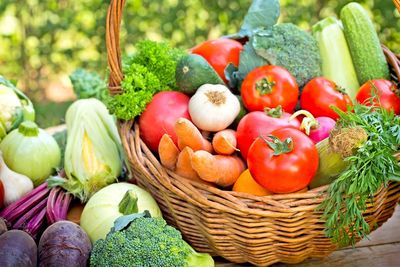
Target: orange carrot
220 169
224 142
189 135
168 152
184 165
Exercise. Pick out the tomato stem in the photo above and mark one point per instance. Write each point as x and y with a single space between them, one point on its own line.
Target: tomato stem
264 86
274 112
279 147
308 123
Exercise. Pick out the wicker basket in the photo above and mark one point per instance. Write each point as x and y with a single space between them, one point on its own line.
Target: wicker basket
237 226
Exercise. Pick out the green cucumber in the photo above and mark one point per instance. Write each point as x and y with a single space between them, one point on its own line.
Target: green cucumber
365 48
192 71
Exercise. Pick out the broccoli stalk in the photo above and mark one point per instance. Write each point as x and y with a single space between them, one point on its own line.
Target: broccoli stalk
140 240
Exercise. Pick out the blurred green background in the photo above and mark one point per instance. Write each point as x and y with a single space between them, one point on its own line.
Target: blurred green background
43 41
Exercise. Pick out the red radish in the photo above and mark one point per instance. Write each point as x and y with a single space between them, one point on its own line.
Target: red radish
316 128
257 123
160 116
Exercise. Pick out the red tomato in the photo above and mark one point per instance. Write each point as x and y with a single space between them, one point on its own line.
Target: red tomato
1 194
257 123
320 94
269 86
160 117
385 90
219 53
289 171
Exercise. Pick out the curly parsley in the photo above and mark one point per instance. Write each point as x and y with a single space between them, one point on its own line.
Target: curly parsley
150 70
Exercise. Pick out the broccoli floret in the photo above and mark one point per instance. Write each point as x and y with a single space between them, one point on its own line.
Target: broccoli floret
88 84
284 45
146 242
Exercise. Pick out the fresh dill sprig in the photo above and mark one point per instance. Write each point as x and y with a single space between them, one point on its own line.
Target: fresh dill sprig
371 166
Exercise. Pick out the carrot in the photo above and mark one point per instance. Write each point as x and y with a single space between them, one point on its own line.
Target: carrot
220 169
168 152
184 164
189 135
224 142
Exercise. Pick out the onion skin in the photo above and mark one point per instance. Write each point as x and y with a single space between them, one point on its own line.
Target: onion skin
65 244
325 126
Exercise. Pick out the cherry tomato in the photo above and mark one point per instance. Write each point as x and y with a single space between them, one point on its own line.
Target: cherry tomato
160 116
385 90
219 53
256 123
285 162
269 86
1 194
320 94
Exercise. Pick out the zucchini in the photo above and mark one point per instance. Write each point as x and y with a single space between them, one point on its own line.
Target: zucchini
192 71
368 58
337 64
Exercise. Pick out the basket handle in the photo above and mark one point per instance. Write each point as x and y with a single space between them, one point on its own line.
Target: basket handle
397 4
113 26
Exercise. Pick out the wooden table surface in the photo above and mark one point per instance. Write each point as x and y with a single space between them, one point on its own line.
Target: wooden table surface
381 250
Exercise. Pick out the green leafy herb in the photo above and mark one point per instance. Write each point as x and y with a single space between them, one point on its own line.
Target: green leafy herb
139 86
149 71
159 59
370 167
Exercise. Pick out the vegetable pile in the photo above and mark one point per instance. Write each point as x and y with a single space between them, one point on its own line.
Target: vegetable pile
272 109
275 109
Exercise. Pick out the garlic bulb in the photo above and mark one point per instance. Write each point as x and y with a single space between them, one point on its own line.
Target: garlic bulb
15 185
213 107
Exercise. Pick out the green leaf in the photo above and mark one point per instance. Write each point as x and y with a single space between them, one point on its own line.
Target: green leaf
54 181
249 60
261 14
124 221
231 75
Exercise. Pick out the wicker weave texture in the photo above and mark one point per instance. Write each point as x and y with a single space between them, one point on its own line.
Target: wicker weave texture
397 4
237 226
